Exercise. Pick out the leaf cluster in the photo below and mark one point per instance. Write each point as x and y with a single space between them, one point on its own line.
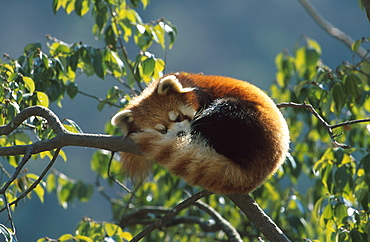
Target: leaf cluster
41 77
333 206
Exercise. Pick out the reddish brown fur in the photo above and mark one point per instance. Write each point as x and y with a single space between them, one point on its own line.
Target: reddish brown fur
191 158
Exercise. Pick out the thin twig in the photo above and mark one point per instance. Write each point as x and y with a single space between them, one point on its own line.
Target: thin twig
113 178
36 182
330 28
174 211
365 120
19 168
226 227
97 98
7 207
327 126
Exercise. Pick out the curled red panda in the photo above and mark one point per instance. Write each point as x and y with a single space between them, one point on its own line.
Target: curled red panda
219 133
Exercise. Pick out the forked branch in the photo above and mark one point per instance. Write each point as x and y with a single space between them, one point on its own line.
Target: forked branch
327 126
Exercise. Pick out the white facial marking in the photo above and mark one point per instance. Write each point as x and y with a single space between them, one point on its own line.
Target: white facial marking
173 115
187 111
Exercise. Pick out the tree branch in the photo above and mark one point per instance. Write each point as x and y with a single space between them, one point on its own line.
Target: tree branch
63 137
330 28
33 185
230 231
327 126
255 214
172 213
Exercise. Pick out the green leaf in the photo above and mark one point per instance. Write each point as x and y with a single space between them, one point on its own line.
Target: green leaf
341 178
59 47
73 60
82 238
84 192
313 44
40 192
126 235
29 83
143 37
111 229
99 68
352 85
113 62
45 60
75 128
65 237
356 45
145 3
312 57
339 97
160 34
99 164
148 66
317 208
32 47
171 32
328 212
50 183
78 7
110 37
340 212
72 89
101 15
13 77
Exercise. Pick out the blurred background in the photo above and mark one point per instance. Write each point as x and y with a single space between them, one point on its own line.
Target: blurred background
234 38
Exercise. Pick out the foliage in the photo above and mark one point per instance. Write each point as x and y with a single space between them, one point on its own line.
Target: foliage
332 206
335 206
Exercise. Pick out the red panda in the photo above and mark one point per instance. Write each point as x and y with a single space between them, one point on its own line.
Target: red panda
222 134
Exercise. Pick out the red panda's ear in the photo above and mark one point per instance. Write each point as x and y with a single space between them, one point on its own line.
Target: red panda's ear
171 84
122 119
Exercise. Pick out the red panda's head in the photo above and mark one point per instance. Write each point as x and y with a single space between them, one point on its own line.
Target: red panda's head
162 104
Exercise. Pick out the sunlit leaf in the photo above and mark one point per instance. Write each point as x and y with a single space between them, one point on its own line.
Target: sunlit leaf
42 99
112 229
83 238
126 235
50 183
29 83
65 237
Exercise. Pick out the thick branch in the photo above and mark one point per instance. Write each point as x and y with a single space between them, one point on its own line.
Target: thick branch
63 137
263 222
330 28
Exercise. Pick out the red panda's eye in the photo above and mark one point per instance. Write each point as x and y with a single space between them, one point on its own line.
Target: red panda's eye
161 128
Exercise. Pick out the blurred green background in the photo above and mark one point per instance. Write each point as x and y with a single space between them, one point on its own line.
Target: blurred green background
235 38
